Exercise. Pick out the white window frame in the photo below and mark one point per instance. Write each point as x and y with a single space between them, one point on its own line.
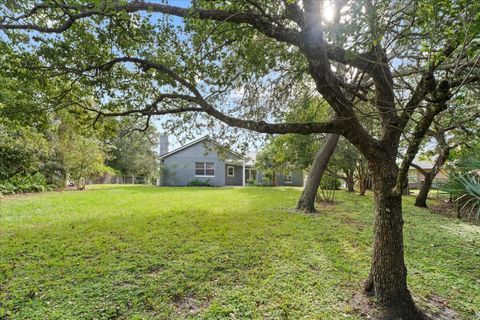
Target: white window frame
204 170
228 171
289 180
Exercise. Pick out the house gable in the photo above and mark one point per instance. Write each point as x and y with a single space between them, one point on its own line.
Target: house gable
207 146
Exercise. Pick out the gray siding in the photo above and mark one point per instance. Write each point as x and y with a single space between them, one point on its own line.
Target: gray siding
237 179
297 179
179 168
261 179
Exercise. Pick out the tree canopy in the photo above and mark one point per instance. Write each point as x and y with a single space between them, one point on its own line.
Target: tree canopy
133 155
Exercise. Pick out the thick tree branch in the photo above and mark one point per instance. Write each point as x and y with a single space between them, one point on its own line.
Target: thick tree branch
258 126
360 61
420 169
259 22
334 126
425 86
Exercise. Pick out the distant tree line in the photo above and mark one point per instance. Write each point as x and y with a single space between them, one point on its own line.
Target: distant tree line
46 147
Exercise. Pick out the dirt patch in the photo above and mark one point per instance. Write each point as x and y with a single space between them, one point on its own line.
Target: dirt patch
434 308
18 196
155 271
449 209
126 284
444 208
437 308
326 204
349 220
363 306
189 305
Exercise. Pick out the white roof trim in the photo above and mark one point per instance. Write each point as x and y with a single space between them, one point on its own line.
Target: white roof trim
194 143
424 164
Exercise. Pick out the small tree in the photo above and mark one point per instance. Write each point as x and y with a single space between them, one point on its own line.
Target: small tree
328 187
271 162
84 160
344 163
133 155
363 175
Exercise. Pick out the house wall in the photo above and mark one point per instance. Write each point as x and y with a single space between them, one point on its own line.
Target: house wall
415 178
237 179
179 168
297 179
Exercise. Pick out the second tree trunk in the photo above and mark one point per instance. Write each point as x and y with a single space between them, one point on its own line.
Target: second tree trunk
307 199
421 199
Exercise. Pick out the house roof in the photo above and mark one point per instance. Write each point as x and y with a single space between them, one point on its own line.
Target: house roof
205 138
424 164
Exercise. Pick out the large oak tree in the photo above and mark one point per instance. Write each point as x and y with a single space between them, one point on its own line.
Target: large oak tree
240 62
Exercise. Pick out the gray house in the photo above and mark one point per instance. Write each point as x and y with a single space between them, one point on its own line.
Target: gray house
206 160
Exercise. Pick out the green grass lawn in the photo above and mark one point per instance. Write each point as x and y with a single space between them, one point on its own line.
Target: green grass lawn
136 252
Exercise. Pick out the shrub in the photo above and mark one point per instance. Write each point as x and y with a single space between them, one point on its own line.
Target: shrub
251 182
328 186
7 187
330 183
24 183
23 150
266 182
199 183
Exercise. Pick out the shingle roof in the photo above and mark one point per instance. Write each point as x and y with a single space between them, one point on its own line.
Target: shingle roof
198 141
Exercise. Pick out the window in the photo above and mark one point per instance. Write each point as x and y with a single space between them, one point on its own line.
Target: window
204 169
231 171
288 178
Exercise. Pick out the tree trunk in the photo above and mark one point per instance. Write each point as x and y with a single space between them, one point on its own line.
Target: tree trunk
307 199
363 185
406 189
388 274
349 180
274 179
421 199
363 176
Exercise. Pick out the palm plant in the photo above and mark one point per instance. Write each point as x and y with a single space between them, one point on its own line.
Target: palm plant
464 188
